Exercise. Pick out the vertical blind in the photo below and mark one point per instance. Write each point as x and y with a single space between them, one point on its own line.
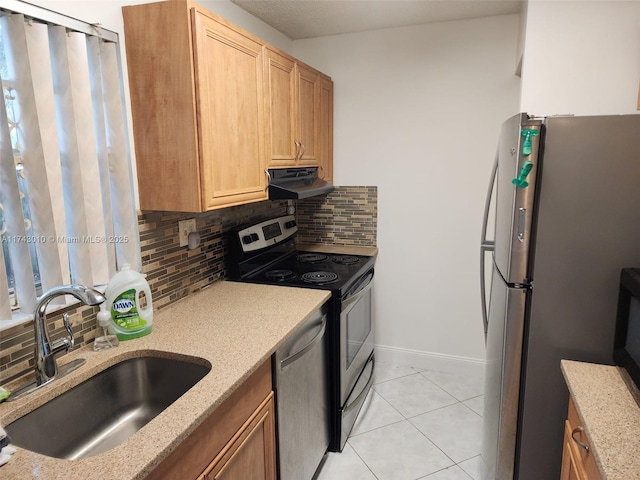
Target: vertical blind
66 199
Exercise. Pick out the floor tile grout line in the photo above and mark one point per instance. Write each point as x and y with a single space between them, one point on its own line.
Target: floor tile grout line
435 410
444 389
362 460
388 403
427 438
378 428
462 468
434 443
446 468
471 409
381 426
473 398
421 413
395 378
441 388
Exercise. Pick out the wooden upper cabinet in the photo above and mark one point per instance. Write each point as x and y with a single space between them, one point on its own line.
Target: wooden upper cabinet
293 111
230 114
325 147
196 86
213 106
308 114
280 103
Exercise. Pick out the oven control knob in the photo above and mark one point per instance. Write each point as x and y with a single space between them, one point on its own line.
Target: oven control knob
252 237
290 224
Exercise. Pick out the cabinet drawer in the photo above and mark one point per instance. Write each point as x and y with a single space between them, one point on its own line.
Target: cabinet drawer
582 451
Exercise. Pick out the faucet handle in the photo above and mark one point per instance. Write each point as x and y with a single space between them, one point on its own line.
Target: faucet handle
64 343
67 326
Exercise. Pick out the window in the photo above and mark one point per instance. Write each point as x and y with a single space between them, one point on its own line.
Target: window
66 199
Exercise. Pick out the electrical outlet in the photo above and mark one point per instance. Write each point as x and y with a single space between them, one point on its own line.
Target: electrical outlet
185 227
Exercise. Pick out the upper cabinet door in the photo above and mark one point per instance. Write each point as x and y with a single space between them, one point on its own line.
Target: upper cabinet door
230 109
308 93
160 67
280 104
293 112
326 129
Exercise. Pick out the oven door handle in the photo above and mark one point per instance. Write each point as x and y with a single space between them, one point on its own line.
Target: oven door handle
364 391
295 356
362 290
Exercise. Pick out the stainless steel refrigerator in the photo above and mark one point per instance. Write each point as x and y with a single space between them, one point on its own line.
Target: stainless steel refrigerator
566 196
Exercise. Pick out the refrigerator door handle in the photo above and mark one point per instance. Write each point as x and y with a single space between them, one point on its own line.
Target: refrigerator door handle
486 246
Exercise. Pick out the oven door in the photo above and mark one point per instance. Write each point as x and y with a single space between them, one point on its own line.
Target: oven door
356 335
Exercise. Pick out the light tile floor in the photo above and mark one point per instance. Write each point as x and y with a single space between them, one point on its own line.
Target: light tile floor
415 424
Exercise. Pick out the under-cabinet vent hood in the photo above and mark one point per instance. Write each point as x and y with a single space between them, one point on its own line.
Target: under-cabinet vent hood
295 183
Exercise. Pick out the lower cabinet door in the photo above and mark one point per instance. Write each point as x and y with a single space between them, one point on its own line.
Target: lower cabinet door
571 466
251 453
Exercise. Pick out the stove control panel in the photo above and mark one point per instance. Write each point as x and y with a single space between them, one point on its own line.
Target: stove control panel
267 233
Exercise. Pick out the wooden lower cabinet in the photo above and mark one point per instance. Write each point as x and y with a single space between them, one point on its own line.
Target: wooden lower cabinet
237 441
251 453
577 457
572 468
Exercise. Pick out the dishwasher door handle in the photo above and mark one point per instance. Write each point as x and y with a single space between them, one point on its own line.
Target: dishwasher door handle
295 356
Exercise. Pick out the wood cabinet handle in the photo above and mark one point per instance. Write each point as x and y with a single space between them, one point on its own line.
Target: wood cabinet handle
582 445
301 151
268 179
297 144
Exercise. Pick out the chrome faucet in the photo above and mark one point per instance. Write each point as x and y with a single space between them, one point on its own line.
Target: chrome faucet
45 350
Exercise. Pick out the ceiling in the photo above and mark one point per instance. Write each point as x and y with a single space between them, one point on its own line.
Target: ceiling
316 18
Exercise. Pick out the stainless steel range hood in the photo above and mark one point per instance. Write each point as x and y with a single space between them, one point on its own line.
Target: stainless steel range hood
295 183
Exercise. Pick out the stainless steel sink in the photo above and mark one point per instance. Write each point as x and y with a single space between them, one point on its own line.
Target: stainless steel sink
105 410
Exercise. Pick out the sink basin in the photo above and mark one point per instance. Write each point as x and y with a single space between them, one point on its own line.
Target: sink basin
105 410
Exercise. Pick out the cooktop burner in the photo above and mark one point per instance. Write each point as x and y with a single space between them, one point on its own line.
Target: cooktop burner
346 259
311 257
319 277
280 274
265 252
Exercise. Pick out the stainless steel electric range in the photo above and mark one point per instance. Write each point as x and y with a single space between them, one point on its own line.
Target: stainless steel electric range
265 252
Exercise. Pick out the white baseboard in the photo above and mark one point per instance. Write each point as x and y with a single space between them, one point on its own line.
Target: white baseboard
429 360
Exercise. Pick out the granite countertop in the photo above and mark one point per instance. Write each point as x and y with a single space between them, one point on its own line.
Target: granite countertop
233 326
605 399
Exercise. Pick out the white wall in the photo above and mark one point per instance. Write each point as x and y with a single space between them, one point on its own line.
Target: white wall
581 57
417 113
109 14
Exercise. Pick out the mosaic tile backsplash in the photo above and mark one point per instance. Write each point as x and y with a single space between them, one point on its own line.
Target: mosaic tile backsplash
347 216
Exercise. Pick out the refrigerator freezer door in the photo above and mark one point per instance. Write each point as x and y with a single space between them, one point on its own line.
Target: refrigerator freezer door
517 164
507 308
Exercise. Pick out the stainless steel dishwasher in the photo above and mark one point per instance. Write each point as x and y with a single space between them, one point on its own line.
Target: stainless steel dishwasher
302 399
